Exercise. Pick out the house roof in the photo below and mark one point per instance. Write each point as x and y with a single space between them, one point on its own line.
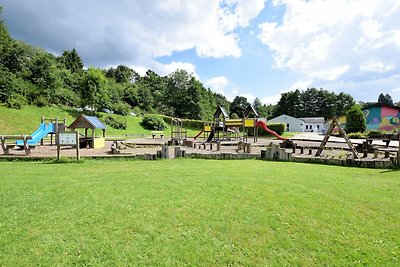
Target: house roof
313 120
90 122
284 117
220 110
249 109
371 105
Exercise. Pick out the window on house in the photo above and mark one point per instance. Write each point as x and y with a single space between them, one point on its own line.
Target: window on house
306 127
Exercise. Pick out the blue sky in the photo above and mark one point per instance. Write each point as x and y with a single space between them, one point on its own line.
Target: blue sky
253 48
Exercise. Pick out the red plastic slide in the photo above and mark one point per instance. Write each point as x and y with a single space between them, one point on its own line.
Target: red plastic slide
263 126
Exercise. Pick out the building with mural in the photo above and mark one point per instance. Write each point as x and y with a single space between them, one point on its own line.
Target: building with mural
377 116
382 117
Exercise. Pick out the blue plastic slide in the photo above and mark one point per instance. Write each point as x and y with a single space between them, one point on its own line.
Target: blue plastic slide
39 134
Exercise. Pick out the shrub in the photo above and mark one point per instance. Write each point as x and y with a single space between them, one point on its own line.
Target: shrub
115 122
121 108
375 134
187 123
279 128
355 120
16 101
41 101
357 135
234 116
153 122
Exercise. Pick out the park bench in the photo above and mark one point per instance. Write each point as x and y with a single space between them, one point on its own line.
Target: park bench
7 145
154 134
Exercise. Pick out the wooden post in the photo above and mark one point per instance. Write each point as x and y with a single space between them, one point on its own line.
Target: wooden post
78 157
398 152
58 145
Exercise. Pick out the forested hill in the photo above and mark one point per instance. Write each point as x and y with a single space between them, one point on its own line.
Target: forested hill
32 76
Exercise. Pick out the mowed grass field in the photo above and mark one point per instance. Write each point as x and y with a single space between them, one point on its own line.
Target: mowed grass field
197 212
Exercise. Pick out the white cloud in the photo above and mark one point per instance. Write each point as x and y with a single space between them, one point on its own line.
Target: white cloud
271 99
377 66
222 85
217 84
335 42
165 69
133 32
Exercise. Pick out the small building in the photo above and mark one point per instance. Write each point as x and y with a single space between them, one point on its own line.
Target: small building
381 117
377 117
292 124
313 124
92 123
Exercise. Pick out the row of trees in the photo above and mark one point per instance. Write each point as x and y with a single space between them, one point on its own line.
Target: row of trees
313 103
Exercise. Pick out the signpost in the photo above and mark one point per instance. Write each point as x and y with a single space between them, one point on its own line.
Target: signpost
67 139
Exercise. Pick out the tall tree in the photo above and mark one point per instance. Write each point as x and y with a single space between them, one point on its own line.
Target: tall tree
182 95
385 99
355 120
239 105
123 74
71 61
94 93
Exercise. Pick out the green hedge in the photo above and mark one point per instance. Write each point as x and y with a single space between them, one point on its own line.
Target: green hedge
375 134
153 122
357 135
279 128
193 124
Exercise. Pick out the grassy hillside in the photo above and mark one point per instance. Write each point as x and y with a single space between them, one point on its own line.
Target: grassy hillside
197 213
27 119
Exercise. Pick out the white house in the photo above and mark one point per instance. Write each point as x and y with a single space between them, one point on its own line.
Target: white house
292 124
313 124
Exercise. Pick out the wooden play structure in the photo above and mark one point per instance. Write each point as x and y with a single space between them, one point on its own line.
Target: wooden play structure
224 128
89 123
335 123
48 126
178 132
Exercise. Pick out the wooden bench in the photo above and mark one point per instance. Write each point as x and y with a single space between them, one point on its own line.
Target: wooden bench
7 145
157 133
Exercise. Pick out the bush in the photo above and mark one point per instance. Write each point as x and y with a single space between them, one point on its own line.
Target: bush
121 108
115 123
357 135
355 120
279 128
187 123
153 122
41 101
375 134
16 101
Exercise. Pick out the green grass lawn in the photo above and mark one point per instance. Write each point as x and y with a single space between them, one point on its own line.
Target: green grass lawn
197 212
27 119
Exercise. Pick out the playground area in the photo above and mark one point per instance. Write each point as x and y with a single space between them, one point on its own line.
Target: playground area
224 138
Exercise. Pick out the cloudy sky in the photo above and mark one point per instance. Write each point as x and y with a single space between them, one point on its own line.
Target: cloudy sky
253 48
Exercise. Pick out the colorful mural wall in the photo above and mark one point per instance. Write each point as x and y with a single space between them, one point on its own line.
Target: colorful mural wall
382 118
